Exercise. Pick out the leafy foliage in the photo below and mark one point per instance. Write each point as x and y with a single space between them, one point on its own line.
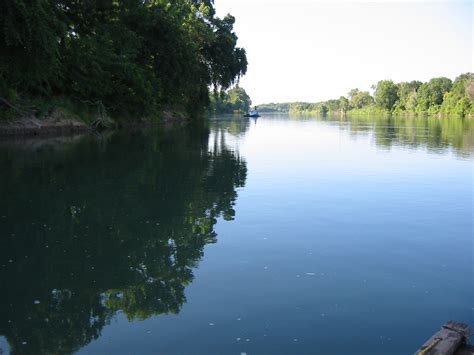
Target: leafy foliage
386 94
236 100
136 57
430 94
438 96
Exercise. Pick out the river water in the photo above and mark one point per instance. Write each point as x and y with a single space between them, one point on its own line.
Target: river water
282 235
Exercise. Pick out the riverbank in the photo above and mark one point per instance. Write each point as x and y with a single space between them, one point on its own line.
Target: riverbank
51 126
60 123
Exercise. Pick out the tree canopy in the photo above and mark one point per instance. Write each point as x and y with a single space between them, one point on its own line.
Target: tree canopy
134 56
235 100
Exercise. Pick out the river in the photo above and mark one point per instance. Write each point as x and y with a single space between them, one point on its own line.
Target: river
281 235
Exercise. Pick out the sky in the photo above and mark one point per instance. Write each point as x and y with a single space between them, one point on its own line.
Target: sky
310 50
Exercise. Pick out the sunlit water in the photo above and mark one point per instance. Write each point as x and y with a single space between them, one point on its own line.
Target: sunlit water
284 235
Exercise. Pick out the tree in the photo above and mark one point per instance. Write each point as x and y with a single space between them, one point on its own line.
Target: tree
134 57
344 104
234 100
361 99
431 94
386 94
405 91
239 99
29 45
459 100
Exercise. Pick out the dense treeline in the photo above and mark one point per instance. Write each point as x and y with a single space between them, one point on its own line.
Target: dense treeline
235 100
134 57
439 96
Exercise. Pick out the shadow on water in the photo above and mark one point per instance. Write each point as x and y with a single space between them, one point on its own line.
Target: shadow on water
97 226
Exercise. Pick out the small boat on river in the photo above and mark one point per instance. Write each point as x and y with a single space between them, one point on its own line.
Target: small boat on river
254 113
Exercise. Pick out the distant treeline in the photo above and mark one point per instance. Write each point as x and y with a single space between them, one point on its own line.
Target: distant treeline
439 96
132 58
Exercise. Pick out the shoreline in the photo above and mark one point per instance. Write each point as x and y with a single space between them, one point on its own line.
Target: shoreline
54 126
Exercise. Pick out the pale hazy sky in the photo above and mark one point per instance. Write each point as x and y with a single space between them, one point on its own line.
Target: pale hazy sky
305 50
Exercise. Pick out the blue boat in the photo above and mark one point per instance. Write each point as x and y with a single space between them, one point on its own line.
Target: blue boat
253 113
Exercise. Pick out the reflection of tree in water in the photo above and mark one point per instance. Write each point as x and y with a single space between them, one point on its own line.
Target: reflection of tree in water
90 230
235 125
436 134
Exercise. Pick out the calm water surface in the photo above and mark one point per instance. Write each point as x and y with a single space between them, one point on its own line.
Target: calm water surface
285 235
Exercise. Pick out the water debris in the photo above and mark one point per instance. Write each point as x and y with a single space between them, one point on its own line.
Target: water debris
148 331
10 261
211 324
24 343
238 339
239 318
247 340
323 315
295 339
36 302
310 274
265 267
265 238
243 353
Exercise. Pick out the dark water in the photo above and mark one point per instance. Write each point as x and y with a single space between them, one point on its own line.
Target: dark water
282 236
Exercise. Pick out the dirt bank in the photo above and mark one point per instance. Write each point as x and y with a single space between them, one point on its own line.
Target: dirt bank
54 125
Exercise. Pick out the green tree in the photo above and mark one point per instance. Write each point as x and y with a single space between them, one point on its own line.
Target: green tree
405 93
134 57
361 99
29 46
234 100
459 101
239 99
344 104
431 94
386 94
